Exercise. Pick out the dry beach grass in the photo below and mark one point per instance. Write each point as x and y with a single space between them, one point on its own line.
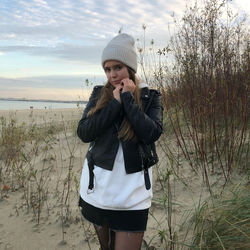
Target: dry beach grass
41 162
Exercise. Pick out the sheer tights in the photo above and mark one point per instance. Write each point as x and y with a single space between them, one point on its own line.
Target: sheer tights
106 237
110 240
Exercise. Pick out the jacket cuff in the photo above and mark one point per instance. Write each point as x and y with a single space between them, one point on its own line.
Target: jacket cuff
127 97
116 102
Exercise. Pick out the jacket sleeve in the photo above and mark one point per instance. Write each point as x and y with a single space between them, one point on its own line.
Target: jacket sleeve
147 127
89 128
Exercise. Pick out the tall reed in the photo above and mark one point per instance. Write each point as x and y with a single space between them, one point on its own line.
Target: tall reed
206 96
203 75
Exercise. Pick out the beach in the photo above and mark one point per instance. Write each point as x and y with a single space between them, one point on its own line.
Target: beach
42 159
41 116
60 224
19 227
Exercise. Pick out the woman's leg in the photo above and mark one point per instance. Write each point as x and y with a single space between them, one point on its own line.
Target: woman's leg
106 237
128 240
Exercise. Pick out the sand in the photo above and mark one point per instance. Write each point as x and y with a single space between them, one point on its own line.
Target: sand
40 116
19 228
61 225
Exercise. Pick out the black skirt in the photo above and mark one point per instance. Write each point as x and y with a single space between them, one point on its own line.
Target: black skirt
116 220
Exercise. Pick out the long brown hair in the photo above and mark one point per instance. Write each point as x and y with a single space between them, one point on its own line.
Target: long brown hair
126 131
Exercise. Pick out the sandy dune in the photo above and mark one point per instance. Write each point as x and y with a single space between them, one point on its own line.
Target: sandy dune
57 166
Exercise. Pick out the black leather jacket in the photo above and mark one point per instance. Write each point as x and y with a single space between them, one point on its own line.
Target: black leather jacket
101 128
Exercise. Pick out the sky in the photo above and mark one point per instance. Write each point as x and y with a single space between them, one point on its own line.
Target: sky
48 48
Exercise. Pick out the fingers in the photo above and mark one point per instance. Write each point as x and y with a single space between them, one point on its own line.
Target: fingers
128 85
116 93
125 85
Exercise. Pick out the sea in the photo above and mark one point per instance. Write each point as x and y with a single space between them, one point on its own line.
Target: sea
26 104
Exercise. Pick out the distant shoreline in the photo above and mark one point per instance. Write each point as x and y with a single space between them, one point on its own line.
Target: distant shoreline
20 104
40 100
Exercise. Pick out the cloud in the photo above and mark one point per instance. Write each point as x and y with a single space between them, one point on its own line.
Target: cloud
62 87
242 6
41 3
68 52
59 81
78 20
77 31
45 93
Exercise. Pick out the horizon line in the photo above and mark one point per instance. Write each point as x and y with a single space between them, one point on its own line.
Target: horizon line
40 100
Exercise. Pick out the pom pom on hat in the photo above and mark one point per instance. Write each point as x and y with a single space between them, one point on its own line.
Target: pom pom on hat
121 48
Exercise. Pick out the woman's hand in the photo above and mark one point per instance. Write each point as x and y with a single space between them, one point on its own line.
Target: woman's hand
128 85
116 92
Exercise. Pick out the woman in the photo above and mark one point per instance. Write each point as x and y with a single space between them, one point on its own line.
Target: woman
115 191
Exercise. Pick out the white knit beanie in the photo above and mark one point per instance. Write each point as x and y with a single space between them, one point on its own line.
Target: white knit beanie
121 48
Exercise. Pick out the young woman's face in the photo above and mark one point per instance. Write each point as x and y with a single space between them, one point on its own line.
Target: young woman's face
115 72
